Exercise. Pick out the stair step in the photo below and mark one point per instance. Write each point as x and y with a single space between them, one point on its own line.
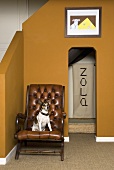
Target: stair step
82 128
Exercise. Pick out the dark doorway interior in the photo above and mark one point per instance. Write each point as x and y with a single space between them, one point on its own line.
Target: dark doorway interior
79 55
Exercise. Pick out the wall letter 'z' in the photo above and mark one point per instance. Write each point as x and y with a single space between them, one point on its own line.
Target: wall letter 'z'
82 74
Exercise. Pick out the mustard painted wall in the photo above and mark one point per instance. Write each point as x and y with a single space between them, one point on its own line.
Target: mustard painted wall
2 115
11 92
46 54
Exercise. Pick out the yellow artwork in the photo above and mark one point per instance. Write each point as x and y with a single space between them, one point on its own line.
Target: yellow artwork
86 24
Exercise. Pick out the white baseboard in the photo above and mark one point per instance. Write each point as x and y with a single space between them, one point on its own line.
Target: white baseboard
66 139
104 139
4 161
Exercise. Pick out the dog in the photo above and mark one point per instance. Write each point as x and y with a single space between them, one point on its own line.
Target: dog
75 24
42 118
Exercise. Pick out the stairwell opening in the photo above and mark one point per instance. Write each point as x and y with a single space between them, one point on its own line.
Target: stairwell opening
82 89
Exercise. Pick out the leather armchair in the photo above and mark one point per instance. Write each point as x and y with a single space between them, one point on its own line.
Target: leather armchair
24 122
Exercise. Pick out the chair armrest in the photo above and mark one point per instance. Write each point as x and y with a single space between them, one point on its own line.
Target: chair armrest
21 116
20 120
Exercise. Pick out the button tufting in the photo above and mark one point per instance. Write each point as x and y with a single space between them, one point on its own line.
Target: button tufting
56 95
53 90
38 89
45 90
49 95
42 96
34 107
37 101
53 101
35 95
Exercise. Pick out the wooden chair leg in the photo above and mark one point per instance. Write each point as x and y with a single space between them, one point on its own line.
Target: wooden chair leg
62 151
18 150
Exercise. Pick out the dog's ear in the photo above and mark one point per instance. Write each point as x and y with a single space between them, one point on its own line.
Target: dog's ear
40 102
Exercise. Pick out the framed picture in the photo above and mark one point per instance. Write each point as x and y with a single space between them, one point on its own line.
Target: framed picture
83 22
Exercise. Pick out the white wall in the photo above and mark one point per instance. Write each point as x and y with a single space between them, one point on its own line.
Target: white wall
12 14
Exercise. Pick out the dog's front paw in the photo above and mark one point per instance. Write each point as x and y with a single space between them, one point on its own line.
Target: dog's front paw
33 129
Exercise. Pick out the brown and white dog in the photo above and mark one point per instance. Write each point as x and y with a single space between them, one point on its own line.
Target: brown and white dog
42 118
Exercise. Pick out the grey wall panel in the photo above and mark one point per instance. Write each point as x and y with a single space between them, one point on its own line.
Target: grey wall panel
12 14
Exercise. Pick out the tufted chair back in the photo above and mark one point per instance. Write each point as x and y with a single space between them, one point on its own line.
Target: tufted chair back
54 94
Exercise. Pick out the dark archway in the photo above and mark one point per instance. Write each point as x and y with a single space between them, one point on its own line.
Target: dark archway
75 55
78 53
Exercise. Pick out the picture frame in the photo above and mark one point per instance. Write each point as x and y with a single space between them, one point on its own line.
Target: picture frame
83 22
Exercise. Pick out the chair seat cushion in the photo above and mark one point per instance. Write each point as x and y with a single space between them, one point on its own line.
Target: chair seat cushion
34 135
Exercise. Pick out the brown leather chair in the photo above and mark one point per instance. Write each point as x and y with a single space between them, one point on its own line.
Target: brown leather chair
41 141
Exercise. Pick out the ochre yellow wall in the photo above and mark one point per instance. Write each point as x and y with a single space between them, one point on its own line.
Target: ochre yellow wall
2 115
46 54
11 92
